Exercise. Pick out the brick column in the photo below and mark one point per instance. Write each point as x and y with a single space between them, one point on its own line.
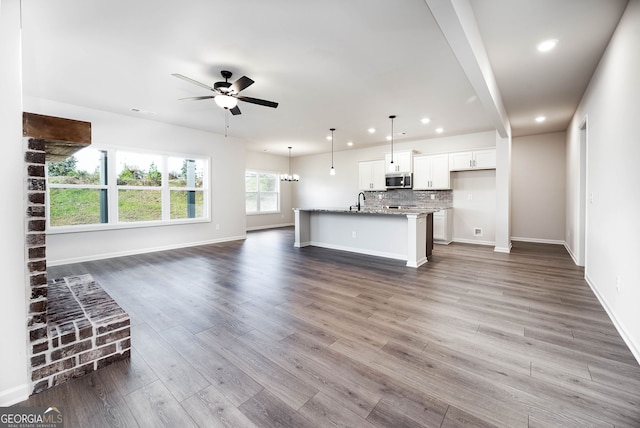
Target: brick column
36 250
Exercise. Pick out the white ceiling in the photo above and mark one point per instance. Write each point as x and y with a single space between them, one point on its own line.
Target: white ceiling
335 63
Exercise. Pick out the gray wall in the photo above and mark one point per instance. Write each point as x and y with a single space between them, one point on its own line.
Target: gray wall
538 180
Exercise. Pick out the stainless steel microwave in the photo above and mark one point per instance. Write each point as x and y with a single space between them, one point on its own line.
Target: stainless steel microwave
398 180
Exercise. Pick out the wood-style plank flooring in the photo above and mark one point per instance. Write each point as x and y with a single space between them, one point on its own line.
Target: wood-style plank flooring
259 333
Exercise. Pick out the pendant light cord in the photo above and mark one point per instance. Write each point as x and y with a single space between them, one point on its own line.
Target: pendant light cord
392 117
332 129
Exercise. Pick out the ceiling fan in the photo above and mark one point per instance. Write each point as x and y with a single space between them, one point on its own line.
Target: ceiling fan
226 94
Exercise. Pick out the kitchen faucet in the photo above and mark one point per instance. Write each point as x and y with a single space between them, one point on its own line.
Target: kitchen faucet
363 198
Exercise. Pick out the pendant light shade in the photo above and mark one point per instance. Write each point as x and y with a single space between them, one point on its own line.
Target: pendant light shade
332 171
289 177
392 166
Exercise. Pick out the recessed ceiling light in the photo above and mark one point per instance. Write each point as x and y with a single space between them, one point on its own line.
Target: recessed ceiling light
439 130
371 130
328 137
540 119
547 45
388 137
425 120
350 143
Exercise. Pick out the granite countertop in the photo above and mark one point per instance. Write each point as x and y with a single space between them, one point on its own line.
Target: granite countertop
385 211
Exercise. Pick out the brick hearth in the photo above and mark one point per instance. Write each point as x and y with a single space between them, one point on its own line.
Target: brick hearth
86 330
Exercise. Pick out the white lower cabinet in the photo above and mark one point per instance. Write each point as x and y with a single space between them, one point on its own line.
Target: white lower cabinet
443 226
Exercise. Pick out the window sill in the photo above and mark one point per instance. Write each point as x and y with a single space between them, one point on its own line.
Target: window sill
265 213
134 225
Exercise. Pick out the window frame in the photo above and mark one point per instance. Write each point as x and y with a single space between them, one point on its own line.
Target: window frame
112 189
277 192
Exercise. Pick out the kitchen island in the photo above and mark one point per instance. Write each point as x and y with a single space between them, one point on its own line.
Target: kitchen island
403 234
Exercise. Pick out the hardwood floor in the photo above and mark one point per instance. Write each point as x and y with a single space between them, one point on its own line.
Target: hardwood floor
258 333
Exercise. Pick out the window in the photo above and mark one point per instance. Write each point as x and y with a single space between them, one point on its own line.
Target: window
116 187
262 192
77 189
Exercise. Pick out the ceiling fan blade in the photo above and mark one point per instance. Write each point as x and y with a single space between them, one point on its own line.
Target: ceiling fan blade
242 83
235 111
259 101
206 97
190 80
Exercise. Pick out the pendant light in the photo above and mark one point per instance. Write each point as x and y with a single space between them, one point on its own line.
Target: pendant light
289 177
332 171
392 167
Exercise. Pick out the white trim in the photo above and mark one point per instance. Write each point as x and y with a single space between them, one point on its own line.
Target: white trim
473 241
142 251
270 226
573 256
539 241
504 250
12 396
628 339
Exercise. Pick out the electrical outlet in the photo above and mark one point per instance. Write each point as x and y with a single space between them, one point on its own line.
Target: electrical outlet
380 196
433 196
217 227
618 283
470 197
477 231
353 234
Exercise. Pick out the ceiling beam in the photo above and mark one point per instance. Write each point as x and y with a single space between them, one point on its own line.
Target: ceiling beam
457 23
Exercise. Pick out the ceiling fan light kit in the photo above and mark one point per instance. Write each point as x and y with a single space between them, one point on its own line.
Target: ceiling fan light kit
225 101
226 94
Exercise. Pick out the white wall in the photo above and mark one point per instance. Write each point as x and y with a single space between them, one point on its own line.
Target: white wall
538 182
474 206
227 156
613 176
14 385
272 163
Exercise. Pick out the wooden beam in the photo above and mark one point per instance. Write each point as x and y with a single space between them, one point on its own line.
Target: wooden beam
63 137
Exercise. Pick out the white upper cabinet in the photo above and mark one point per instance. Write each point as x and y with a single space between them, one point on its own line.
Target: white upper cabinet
477 159
371 175
431 172
402 162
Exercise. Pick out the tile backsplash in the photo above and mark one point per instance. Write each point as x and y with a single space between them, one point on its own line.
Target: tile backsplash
409 198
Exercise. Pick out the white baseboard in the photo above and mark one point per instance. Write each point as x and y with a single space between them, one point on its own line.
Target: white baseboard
538 241
271 226
473 241
573 256
141 251
504 250
14 395
633 347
